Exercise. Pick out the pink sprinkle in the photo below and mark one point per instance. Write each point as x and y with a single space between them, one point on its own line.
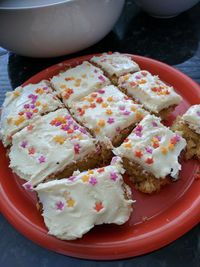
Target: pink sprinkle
71 178
65 127
177 137
28 186
101 91
154 124
45 88
158 137
29 115
24 144
32 106
114 160
76 127
93 180
137 77
118 129
26 106
41 159
138 128
98 150
110 120
113 176
95 71
58 123
139 134
122 108
148 150
77 148
68 117
60 205
101 78
126 113
198 113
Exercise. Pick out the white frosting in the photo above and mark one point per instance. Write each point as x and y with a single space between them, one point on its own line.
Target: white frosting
79 81
149 90
154 147
192 118
115 63
47 146
106 112
71 207
25 104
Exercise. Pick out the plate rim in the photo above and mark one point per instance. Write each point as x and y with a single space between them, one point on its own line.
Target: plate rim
187 220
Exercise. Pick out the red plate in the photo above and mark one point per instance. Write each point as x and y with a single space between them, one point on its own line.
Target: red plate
156 221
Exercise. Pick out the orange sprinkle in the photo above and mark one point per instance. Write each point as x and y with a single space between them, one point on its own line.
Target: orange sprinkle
98 206
163 150
70 131
128 145
97 130
142 81
171 146
110 99
19 121
108 111
35 110
37 103
101 123
104 105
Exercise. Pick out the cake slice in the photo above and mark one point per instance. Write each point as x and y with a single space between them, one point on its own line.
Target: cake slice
25 104
108 114
73 206
150 154
53 145
115 65
156 96
79 81
189 127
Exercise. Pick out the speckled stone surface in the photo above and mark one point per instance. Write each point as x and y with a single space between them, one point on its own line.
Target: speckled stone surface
175 41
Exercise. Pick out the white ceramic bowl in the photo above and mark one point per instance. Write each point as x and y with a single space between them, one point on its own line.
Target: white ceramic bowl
57 29
165 8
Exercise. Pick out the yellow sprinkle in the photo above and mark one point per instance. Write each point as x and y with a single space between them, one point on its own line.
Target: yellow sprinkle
108 111
90 172
110 99
126 77
85 178
19 121
101 123
70 202
9 120
84 75
45 106
37 103
63 86
133 108
97 130
90 99
163 150
139 115
16 93
80 136
171 146
128 145
59 139
104 105
142 81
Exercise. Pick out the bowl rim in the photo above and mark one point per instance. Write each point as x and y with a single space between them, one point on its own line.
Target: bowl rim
59 2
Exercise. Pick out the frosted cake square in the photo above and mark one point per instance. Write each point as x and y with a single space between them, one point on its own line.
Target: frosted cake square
150 154
156 96
108 114
115 65
25 104
79 81
72 207
53 145
188 126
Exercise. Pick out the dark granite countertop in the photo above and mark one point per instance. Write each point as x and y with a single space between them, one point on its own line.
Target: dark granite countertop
174 41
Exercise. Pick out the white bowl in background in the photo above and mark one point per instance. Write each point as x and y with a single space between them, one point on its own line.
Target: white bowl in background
57 29
165 8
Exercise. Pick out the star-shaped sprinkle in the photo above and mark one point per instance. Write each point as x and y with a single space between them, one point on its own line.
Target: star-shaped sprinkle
59 139
77 148
149 160
42 159
70 203
148 150
98 206
24 144
85 178
110 120
60 205
113 176
138 153
93 180
31 150
28 186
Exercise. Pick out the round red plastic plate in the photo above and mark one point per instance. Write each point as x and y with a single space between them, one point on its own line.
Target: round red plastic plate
156 220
